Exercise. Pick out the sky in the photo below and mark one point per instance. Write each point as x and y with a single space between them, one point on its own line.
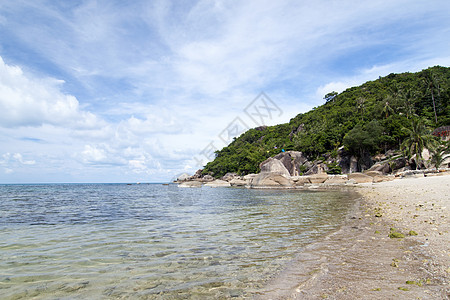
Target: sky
142 91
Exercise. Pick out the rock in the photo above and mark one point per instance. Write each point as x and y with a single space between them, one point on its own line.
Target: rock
426 154
373 173
274 166
350 182
318 178
266 179
336 179
238 182
353 165
381 167
292 160
381 178
249 177
189 184
399 163
229 176
412 174
360 177
207 178
218 183
316 169
300 180
198 174
183 177
445 162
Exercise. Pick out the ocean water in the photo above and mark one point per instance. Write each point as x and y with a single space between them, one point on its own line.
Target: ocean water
153 241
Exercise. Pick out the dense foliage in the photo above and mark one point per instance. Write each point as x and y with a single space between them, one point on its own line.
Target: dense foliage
366 120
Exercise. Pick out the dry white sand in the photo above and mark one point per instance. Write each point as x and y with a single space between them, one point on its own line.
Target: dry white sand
361 261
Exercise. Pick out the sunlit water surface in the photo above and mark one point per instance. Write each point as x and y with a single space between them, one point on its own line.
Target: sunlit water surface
84 241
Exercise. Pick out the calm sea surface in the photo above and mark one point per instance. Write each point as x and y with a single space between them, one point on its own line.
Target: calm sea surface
85 241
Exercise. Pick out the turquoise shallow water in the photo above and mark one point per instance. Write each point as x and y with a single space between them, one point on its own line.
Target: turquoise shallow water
80 241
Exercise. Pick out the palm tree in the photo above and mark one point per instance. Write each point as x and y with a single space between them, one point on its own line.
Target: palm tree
418 138
360 106
432 85
439 154
387 109
407 98
437 158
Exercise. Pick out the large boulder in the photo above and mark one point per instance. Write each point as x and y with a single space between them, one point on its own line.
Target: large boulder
318 178
292 160
382 167
270 180
198 174
249 177
238 182
373 173
207 178
336 179
318 168
183 177
300 180
190 184
381 178
229 176
399 163
218 183
360 177
273 166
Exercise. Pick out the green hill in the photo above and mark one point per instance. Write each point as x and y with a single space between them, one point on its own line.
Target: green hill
367 119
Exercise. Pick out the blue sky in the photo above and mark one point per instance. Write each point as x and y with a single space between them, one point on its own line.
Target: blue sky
127 91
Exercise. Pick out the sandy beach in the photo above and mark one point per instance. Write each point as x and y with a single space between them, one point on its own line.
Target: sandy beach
394 245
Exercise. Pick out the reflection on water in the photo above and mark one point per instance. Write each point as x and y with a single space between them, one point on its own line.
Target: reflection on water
154 241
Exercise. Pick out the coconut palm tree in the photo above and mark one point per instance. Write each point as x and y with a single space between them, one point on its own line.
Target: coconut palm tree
418 138
439 154
432 85
407 99
387 109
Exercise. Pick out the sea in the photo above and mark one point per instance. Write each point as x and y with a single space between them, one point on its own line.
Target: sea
155 241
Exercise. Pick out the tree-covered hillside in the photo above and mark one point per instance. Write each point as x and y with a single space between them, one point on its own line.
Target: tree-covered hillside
368 119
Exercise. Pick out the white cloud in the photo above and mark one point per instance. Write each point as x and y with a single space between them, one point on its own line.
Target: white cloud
12 161
14 158
26 100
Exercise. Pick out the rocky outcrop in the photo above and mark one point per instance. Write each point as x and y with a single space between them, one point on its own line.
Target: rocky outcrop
336 180
317 168
360 177
292 161
291 169
190 184
207 178
238 182
318 178
266 179
218 183
300 180
183 177
229 176
273 166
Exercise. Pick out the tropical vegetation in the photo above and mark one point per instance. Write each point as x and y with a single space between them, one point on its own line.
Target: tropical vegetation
395 112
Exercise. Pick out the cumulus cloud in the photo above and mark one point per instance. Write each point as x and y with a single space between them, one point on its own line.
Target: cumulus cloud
15 157
12 161
26 100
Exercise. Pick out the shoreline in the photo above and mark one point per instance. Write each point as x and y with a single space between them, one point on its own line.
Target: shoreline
361 261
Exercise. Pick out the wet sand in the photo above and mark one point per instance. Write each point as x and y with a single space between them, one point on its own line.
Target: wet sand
361 261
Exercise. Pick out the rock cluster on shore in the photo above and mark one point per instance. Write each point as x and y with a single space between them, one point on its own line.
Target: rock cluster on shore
282 171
